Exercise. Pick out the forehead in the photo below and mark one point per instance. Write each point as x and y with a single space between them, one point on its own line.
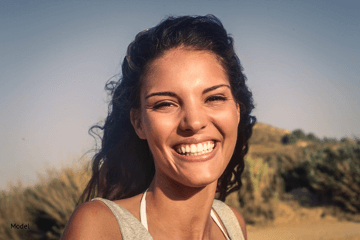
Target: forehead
183 67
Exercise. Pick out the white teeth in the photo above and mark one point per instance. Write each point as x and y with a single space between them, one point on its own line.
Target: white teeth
196 149
205 147
193 148
183 149
199 147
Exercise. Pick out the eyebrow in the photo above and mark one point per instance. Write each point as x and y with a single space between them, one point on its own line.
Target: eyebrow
172 94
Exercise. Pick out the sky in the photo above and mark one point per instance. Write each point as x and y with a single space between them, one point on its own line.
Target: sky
301 59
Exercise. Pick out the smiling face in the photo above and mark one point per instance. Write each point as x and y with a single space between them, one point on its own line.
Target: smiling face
188 116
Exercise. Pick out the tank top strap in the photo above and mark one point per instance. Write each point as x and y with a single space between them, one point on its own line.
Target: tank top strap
229 220
143 217
214 217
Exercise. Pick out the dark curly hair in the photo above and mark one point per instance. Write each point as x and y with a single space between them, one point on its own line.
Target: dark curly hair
124 166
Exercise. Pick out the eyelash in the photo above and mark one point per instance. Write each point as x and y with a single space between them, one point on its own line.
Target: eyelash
217 98
163 104
168 104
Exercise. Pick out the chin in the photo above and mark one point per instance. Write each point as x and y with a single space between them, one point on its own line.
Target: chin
200 180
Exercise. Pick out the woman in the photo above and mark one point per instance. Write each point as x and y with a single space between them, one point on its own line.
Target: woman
177 133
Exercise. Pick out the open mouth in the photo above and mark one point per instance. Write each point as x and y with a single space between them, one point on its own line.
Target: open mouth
195 149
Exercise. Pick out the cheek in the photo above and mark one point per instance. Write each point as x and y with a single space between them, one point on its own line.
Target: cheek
228 120
157 128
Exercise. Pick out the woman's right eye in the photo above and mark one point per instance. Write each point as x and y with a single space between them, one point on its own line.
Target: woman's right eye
162 105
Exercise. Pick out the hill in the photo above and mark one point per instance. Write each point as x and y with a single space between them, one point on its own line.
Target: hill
279 182
265 134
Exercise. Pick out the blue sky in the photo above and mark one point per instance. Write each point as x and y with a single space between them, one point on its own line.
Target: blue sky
301 59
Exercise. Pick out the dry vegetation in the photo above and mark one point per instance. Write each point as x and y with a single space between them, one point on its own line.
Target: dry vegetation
46 207
278 185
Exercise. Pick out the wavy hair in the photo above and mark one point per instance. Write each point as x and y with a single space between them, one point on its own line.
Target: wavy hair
124 165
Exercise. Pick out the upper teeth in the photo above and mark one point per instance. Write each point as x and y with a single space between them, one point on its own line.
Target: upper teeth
196 148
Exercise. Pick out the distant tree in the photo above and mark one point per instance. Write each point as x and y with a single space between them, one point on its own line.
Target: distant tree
294 137
330 140
288 139
299 134
312 137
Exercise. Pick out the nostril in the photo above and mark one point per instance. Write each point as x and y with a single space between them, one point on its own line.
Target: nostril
193 126
193 120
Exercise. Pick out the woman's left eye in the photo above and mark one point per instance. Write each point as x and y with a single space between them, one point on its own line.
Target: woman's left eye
216 98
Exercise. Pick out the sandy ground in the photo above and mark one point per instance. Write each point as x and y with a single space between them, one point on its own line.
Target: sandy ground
317 231
304 223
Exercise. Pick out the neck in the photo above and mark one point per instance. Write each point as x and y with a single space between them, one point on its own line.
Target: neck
178 210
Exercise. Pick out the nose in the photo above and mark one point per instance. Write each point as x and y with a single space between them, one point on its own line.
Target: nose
193 119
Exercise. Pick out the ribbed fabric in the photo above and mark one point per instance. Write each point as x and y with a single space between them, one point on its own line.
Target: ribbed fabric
229 220
132 229
143 218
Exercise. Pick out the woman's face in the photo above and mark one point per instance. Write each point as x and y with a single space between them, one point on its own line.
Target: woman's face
188 116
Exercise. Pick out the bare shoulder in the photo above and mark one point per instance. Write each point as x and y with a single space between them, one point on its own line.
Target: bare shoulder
240 219
92 220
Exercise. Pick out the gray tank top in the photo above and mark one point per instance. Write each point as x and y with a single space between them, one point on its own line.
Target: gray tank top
132 229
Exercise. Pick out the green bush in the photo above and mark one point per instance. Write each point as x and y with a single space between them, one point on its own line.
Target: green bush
333 175
298 134
312 137
257 195
330 140
288 139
